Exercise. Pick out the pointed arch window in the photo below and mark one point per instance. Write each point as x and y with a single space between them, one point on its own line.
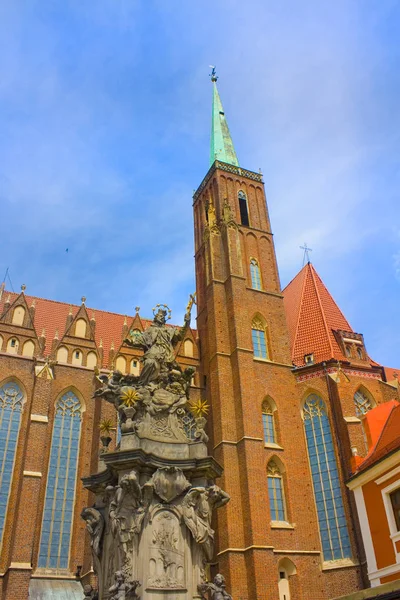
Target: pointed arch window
275 492
243 208
259 338
268 422
61 483
363 402
255 274
328 496
11 406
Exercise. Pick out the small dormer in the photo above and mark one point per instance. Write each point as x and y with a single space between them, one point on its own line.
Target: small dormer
351 344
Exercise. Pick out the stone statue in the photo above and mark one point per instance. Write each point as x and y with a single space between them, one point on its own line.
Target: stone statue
158 341
89 592
95 526
126 511
121 590
217 589
197 507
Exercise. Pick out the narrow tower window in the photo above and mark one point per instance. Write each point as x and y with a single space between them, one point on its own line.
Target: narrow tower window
268 423
255 274
11 405
328 496
244 213
275 492
259 338
363 402
61 482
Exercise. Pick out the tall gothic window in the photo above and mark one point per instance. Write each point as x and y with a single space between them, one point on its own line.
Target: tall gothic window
275 492
11 405
363 402
268 422
243 208
259 338
328 497
61 482
255 274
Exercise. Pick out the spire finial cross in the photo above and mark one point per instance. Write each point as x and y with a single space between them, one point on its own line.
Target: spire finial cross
307 250
213 74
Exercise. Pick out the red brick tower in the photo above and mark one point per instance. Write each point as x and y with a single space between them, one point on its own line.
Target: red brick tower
257 430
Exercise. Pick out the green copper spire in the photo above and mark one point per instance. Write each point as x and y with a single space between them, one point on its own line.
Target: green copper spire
221 142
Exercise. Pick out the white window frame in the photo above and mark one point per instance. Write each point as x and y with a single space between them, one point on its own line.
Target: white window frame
394 532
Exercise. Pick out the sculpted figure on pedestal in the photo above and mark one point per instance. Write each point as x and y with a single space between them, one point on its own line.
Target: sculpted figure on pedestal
216 589
197 507
121 590
158 341
126 511
89 592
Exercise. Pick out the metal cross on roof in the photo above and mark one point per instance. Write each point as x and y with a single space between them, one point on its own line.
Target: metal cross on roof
307 250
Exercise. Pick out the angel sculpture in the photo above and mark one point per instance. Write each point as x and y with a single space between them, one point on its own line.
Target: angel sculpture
122 590
217 589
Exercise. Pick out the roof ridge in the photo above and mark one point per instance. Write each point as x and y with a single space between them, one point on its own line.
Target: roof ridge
322 308
300 303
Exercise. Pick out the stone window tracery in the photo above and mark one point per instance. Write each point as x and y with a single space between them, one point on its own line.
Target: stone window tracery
255 274
275 492
61 483
328 496
363 402
11 406
259 338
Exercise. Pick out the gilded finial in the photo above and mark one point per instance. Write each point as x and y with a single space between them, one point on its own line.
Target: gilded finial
23 288
213 74
83 299
137 308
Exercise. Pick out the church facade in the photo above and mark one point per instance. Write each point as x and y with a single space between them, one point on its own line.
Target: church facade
288 382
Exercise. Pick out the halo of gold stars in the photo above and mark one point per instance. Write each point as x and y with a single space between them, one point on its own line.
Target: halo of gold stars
130 397
199 408
106 426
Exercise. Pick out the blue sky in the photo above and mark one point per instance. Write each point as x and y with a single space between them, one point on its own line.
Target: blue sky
105 115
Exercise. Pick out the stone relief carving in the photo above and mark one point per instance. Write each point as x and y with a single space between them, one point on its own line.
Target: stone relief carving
167 553
217 589
168 483
95 526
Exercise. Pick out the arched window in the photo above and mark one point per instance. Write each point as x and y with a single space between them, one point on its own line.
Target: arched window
120 364
135 367
18 315
255 274
188 348
28 348
12 346
285 570
11 405
62 355
243 208
61 483
80 328
91 360
77 357
268 422
275 492
360 353
348 350
259 338
363 401
328 496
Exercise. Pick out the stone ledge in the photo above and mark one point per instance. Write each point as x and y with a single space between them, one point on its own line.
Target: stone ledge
386 591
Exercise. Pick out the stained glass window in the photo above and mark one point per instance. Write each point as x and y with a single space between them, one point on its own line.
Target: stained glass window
362 403
268 423
275 492
61 483
259 338
328 496
11 405
255 275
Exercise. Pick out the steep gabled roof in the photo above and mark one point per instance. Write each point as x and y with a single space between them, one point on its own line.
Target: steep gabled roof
383 423
51 316
312 316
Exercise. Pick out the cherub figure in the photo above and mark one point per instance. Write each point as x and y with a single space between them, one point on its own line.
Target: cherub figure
121 590
217 589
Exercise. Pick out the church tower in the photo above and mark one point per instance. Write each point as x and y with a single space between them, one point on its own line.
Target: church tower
268 538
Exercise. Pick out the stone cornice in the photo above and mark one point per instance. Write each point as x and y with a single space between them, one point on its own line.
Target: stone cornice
229 169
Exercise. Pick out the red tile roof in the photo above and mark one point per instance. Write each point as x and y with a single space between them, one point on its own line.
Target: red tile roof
383 423
51 316
312 315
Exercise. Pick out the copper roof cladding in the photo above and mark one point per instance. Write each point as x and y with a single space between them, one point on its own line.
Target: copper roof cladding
51 315
312 315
